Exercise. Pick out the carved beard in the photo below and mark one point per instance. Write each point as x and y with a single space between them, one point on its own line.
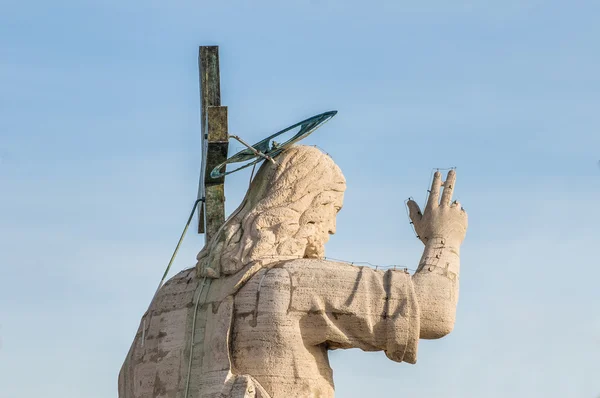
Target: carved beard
314 250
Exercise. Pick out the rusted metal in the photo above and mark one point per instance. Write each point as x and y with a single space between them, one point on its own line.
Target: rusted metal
214 142
215 203
210 80
217 142
254 151
216 153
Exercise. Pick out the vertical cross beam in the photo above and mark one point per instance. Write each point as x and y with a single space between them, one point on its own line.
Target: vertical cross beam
214 143
214 204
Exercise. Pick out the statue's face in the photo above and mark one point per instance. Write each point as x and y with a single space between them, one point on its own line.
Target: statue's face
318 222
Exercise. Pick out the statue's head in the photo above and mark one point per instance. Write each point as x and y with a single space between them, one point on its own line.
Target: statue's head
289 212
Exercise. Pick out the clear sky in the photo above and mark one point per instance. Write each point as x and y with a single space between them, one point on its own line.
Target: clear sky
99 162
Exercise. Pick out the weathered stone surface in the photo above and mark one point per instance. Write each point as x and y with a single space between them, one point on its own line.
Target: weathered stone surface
262 308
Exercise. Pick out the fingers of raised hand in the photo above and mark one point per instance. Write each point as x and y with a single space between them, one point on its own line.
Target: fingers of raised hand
434 194
457 206
414 211
448 188
459 216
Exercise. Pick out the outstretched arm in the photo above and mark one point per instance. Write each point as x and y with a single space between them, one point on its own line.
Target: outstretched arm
442 228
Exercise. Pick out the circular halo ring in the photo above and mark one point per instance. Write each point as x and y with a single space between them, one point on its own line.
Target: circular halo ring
306 128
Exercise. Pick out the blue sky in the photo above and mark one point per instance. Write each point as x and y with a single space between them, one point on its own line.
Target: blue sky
99 162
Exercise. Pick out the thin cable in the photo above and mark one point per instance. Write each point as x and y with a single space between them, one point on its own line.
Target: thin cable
394 266
179 244
251 175
322 150
377 266
162 280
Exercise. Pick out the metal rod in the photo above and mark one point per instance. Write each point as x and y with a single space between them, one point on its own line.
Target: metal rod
257 153
169 265
179 243
189 372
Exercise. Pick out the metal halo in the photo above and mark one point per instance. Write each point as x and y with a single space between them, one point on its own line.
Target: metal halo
306 127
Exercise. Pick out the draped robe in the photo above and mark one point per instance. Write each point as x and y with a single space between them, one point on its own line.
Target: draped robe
265 332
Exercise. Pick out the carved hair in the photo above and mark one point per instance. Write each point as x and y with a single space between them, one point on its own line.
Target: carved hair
265 226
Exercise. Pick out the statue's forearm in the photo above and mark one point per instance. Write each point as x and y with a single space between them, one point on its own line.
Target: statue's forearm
436 285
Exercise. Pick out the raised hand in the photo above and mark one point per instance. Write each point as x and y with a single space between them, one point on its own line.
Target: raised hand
441 218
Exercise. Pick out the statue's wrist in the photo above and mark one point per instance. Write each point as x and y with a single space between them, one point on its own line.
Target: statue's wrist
440 241
440 252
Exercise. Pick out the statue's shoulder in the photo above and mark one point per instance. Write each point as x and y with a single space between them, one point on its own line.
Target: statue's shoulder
180 282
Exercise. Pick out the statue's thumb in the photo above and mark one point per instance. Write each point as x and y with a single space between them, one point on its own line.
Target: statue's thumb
414 212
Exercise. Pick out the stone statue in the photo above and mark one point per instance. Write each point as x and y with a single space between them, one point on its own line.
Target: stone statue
258 314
